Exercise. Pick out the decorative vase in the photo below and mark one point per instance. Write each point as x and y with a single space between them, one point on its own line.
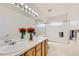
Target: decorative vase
31 37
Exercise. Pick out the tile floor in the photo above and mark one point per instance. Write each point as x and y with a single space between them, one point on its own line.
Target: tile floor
60 49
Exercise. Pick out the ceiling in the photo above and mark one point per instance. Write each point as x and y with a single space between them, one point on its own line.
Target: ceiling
48 11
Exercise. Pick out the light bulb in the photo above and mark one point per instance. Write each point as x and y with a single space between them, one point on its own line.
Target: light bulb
29 9
22 3
32 11
37 14
26 6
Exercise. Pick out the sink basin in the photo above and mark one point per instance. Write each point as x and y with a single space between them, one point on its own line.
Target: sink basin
20 45
12 48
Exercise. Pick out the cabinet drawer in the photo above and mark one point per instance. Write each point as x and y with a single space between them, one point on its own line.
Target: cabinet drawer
38 47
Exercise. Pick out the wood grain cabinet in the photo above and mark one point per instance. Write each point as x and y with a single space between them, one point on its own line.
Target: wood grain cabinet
43 48
31 52
38 50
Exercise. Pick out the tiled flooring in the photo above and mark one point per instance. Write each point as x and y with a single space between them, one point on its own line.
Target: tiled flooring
60 49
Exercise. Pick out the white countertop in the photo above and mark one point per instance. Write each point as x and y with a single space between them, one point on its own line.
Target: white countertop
27 44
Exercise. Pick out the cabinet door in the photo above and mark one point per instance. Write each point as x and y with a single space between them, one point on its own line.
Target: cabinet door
38 53
39 50
43 48
46 47
30 52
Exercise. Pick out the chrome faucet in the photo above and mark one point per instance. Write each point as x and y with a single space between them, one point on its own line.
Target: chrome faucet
7 40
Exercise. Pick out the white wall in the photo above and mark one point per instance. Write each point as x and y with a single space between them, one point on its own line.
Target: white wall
11 20
53 31
74 16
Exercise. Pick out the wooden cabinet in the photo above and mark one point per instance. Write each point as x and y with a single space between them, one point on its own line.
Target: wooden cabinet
31 52
46 47
39 53
38 47
43 48
38 50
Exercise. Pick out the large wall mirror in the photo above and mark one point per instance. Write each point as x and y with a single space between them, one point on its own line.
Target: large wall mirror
40 25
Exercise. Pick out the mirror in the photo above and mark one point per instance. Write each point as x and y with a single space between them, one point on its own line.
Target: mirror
40 27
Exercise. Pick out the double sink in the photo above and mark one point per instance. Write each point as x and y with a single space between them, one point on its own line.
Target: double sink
19 46
13 47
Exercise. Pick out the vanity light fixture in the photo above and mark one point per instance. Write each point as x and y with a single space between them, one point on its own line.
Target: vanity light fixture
33 14
29 13
29 9
26 6
22 3
26 9
32 11
37 14
22 6
17 4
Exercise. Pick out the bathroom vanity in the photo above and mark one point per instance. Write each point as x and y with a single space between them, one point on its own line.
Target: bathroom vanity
24 47
38 50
